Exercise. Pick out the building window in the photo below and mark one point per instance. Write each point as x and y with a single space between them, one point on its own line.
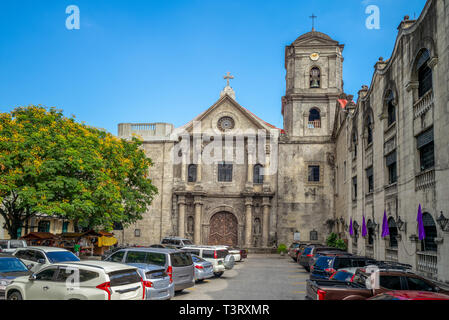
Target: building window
430 229
258 174
369 130
344 172
354 145
426 150
192 172
224 172
391 109
424 73
370 179
65 227
315 78
354 188
137 233
370 228
314 119
117 226
391 163
393 233
43 226
313 235
314 173
19 232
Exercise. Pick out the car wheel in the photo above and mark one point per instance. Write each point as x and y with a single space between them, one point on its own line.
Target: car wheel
200 280
179 291
15 296
218 274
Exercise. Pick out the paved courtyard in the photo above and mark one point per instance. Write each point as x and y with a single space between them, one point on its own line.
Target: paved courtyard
259 277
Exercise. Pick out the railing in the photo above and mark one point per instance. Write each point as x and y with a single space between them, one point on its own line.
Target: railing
427 262
423 104
391 254
315 124
143 127
425 179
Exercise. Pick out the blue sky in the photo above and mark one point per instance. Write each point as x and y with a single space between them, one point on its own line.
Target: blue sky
164 61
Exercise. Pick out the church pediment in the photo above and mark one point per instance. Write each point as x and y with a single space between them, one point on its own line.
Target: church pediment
314 38
227 115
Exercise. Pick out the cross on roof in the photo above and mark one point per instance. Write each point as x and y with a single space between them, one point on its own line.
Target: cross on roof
313 17
227 77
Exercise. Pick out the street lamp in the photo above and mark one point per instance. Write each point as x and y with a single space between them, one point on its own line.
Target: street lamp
443 221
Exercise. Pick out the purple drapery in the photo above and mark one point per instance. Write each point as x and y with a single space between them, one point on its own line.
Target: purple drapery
351 230
385 229
364 230
421 231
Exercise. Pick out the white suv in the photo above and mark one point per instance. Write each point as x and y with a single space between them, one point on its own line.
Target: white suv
84 280
36 258
218 256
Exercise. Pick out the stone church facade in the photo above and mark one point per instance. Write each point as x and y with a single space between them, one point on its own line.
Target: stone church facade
334 160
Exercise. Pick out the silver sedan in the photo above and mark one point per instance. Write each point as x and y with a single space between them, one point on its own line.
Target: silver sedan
203 269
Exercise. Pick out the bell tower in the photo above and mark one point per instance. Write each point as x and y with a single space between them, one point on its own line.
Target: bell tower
314 65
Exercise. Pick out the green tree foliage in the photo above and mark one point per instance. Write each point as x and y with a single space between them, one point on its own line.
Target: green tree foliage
334 241
51 165
282 248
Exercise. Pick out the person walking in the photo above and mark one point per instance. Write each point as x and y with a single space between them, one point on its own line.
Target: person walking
77 248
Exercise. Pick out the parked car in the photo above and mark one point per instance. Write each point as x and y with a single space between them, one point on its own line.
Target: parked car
9 246
203 269
10 268
36 258
300 250
218 256
163 246
410 295
176 263
293 250
177 242
310 251
360 288
156 282
328 264
98 280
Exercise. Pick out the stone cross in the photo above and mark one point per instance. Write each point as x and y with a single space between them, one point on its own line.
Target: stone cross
227 77
313 17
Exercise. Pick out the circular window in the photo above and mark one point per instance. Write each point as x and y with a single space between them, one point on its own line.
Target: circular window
226 124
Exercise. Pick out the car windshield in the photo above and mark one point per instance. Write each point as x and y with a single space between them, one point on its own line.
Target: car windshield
181 259
4 244
294 245
307 250
187 242
342 276
323 263
12 265
61 256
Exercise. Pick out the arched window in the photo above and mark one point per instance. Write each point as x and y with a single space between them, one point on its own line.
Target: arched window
391 109
424 72
314 118
315 78
258 174
313 235
369 129
192 172
430 229
354 145
393 233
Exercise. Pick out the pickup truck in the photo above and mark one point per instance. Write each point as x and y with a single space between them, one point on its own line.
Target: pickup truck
360 290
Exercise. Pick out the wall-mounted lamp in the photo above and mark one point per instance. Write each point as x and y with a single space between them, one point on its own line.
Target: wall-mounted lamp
443 222
400 224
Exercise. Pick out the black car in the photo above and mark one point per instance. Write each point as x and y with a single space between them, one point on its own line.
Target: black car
10 268
325 266
309 252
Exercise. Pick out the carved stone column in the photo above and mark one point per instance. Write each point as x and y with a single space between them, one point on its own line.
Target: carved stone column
198 215
182 216
266 221
249 221
250 170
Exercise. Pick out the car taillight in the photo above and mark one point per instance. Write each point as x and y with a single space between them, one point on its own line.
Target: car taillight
321 294
106 287
330 270
170 273
199 267
145 284
310 255
215 254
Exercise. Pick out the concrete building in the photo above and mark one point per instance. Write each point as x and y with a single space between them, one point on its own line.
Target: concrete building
392 150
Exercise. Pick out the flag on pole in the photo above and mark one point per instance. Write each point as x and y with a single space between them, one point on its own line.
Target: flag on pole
364 230
385 229
421 231
351 230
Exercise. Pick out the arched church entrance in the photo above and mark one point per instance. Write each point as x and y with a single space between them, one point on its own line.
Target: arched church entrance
223 229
